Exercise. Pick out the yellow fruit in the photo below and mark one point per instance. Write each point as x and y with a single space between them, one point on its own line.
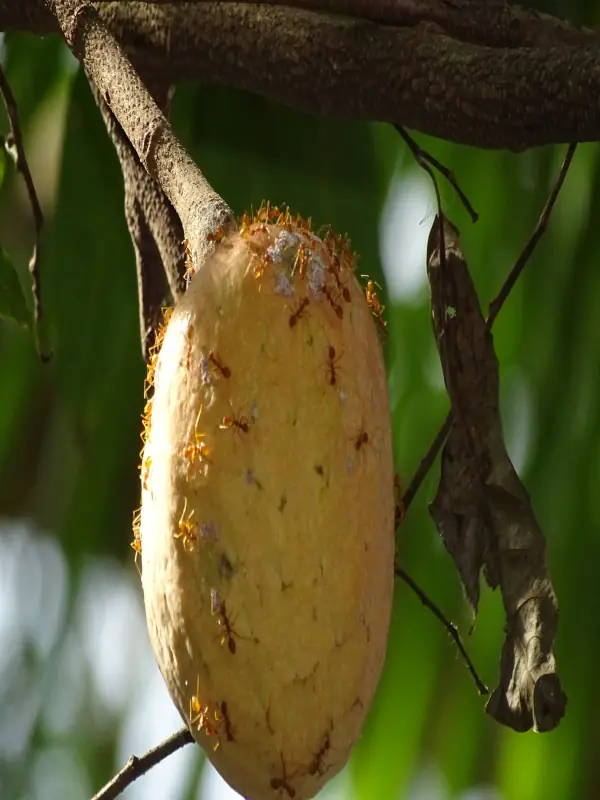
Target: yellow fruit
267 520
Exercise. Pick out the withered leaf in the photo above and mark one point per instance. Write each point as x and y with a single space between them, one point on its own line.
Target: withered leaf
482 510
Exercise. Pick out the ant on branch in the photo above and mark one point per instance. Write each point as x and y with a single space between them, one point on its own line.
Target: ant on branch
190 271
217 236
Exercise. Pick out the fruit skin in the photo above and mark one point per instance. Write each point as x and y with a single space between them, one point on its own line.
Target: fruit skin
267 520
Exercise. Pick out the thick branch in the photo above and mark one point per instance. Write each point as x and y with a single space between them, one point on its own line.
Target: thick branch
415 76
200 209
136 767
155 229
495 23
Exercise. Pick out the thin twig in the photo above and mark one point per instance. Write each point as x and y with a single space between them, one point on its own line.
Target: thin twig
22 166
537 234
450 627
136 767
426 463
495 307
423 158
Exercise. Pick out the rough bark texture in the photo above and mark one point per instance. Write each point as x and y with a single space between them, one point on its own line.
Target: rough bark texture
537 84
155 229
199 208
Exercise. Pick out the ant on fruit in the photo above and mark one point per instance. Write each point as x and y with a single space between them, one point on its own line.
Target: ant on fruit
374 304
360 440
187 529
302 260
218 364
228 731
198 715
332 362
198 448
339 311
240 424
299 312
136 545
145 471
333 269
229 632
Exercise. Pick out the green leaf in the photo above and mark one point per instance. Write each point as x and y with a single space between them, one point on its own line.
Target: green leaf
12 299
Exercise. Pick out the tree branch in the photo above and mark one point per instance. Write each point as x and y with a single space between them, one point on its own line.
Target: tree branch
199 207
136 767
494 23
155 229
543 91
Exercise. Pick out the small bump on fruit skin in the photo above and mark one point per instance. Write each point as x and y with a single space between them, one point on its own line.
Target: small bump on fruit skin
267 563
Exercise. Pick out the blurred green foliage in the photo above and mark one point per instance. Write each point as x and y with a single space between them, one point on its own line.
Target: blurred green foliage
69 431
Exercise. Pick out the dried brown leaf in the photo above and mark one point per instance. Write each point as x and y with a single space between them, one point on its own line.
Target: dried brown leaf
482 510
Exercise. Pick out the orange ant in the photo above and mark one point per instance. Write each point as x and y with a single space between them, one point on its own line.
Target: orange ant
334 270
145 471
229 632
334 304
299 312
146 414
302 260
198 449
228 731
375 305
260 269
217 236
149 383
189 264
187 529
332 362
198 715
136 545
240 424
218 364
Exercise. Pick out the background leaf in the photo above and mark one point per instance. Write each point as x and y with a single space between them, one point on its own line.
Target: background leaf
12 300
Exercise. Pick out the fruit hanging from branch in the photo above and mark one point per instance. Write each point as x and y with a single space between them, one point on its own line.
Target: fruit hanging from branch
268 572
